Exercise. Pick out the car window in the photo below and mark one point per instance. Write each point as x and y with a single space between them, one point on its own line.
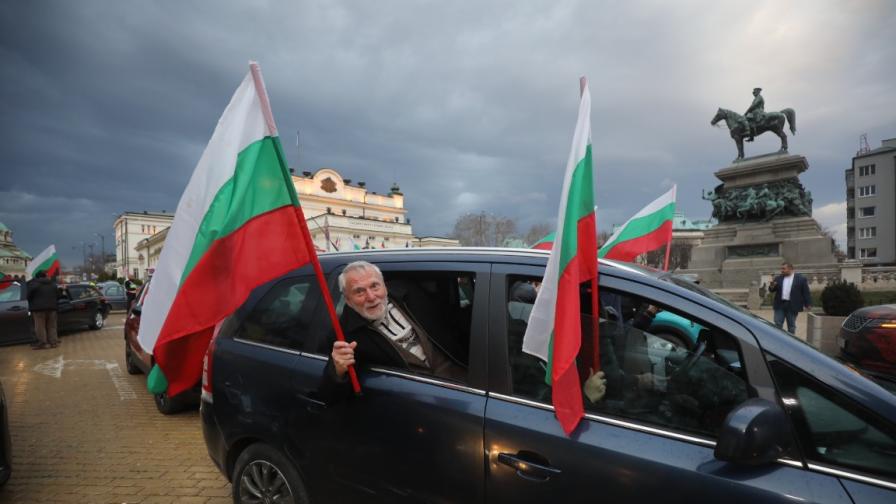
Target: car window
833 430
10 292
76 292
283 316
440 304
665 376
113 290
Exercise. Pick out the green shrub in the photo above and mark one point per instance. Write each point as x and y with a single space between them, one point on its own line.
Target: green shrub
840 298
879 297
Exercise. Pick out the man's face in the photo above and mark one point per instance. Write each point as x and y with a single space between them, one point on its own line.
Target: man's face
366 294
786 270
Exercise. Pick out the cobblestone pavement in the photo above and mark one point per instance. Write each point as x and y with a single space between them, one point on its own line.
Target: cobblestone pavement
85 431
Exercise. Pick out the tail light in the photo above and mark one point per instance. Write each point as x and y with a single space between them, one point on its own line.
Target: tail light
206 394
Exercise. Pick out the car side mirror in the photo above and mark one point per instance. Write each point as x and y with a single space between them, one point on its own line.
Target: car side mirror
135 311
754 433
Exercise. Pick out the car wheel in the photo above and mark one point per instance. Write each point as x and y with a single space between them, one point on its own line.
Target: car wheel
129 360
262 474
167 405
98 320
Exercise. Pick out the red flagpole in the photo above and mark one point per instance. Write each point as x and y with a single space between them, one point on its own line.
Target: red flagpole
595 316
300 217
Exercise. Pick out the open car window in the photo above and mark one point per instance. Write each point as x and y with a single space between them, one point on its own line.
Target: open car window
681 373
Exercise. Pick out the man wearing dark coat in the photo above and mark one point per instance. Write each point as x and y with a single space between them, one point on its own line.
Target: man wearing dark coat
397 330
42 303
791 296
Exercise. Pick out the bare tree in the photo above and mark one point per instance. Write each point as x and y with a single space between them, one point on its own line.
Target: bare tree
483 229
538 231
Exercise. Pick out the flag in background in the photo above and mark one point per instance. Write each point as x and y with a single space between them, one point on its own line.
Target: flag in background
545 243
219 246
554 332
647 230
46 261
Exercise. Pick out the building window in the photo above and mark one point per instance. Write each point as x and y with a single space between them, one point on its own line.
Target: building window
868 190
868 253
864 171
867 211
867 232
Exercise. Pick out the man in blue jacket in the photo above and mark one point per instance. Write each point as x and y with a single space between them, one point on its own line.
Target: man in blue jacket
791 296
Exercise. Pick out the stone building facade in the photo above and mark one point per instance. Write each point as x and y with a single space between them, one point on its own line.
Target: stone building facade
12 259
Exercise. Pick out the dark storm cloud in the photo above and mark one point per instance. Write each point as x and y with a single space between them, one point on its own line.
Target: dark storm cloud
107 105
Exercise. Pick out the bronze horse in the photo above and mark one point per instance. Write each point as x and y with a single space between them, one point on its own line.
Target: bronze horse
772 121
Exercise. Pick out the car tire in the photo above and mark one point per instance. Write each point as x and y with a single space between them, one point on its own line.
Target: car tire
129 361
262 474
166 404
98 320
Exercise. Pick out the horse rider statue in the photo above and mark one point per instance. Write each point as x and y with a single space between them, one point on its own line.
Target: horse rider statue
755 112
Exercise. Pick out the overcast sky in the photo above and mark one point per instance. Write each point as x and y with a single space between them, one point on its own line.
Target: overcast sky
469 106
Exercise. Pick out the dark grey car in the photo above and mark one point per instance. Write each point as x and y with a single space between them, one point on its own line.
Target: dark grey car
115 295
749 414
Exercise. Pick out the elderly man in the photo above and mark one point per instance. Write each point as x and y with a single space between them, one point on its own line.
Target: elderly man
389 331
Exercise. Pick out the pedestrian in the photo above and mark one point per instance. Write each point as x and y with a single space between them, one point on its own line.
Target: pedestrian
791 296
42 303
130 287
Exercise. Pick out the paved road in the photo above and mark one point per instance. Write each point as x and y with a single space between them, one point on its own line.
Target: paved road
85 431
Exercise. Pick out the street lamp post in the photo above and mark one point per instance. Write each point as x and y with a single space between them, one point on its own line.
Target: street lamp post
102 250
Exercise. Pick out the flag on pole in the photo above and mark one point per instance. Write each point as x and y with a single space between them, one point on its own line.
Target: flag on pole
545 243
5 280
649 229
554 332
354 246
46 261
220 245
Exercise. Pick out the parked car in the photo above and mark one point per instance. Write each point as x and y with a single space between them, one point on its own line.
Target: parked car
16 324
750 414
78 305
868 341
139 361
5 443
114 294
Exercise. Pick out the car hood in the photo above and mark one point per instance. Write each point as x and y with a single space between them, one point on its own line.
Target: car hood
887 311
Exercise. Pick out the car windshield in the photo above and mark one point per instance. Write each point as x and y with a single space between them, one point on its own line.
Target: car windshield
703 291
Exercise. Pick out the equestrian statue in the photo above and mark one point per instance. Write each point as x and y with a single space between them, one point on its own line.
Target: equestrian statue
756 121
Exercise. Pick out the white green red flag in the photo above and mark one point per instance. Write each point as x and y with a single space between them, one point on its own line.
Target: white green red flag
47 261
647 230
545 243
554 333
238 225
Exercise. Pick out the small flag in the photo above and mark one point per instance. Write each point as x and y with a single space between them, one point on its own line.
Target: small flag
647 230
46 261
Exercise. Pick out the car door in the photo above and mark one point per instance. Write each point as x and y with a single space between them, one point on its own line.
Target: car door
67 315
411 437
644 440
15 319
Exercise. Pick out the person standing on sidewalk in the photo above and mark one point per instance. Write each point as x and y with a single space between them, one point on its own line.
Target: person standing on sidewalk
42 303
791 296
130 289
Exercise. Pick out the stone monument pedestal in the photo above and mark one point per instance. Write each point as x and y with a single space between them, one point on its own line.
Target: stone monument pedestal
734 252
732 255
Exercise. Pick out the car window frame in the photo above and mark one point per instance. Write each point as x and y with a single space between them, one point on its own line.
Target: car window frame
477 377
755 367
259 294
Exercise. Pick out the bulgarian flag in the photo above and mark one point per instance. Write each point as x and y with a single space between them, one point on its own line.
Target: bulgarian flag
554 333
46 261
5 280
238 225
649 229
545 243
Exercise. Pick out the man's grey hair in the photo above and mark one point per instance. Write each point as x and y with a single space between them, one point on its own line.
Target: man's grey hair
358 266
